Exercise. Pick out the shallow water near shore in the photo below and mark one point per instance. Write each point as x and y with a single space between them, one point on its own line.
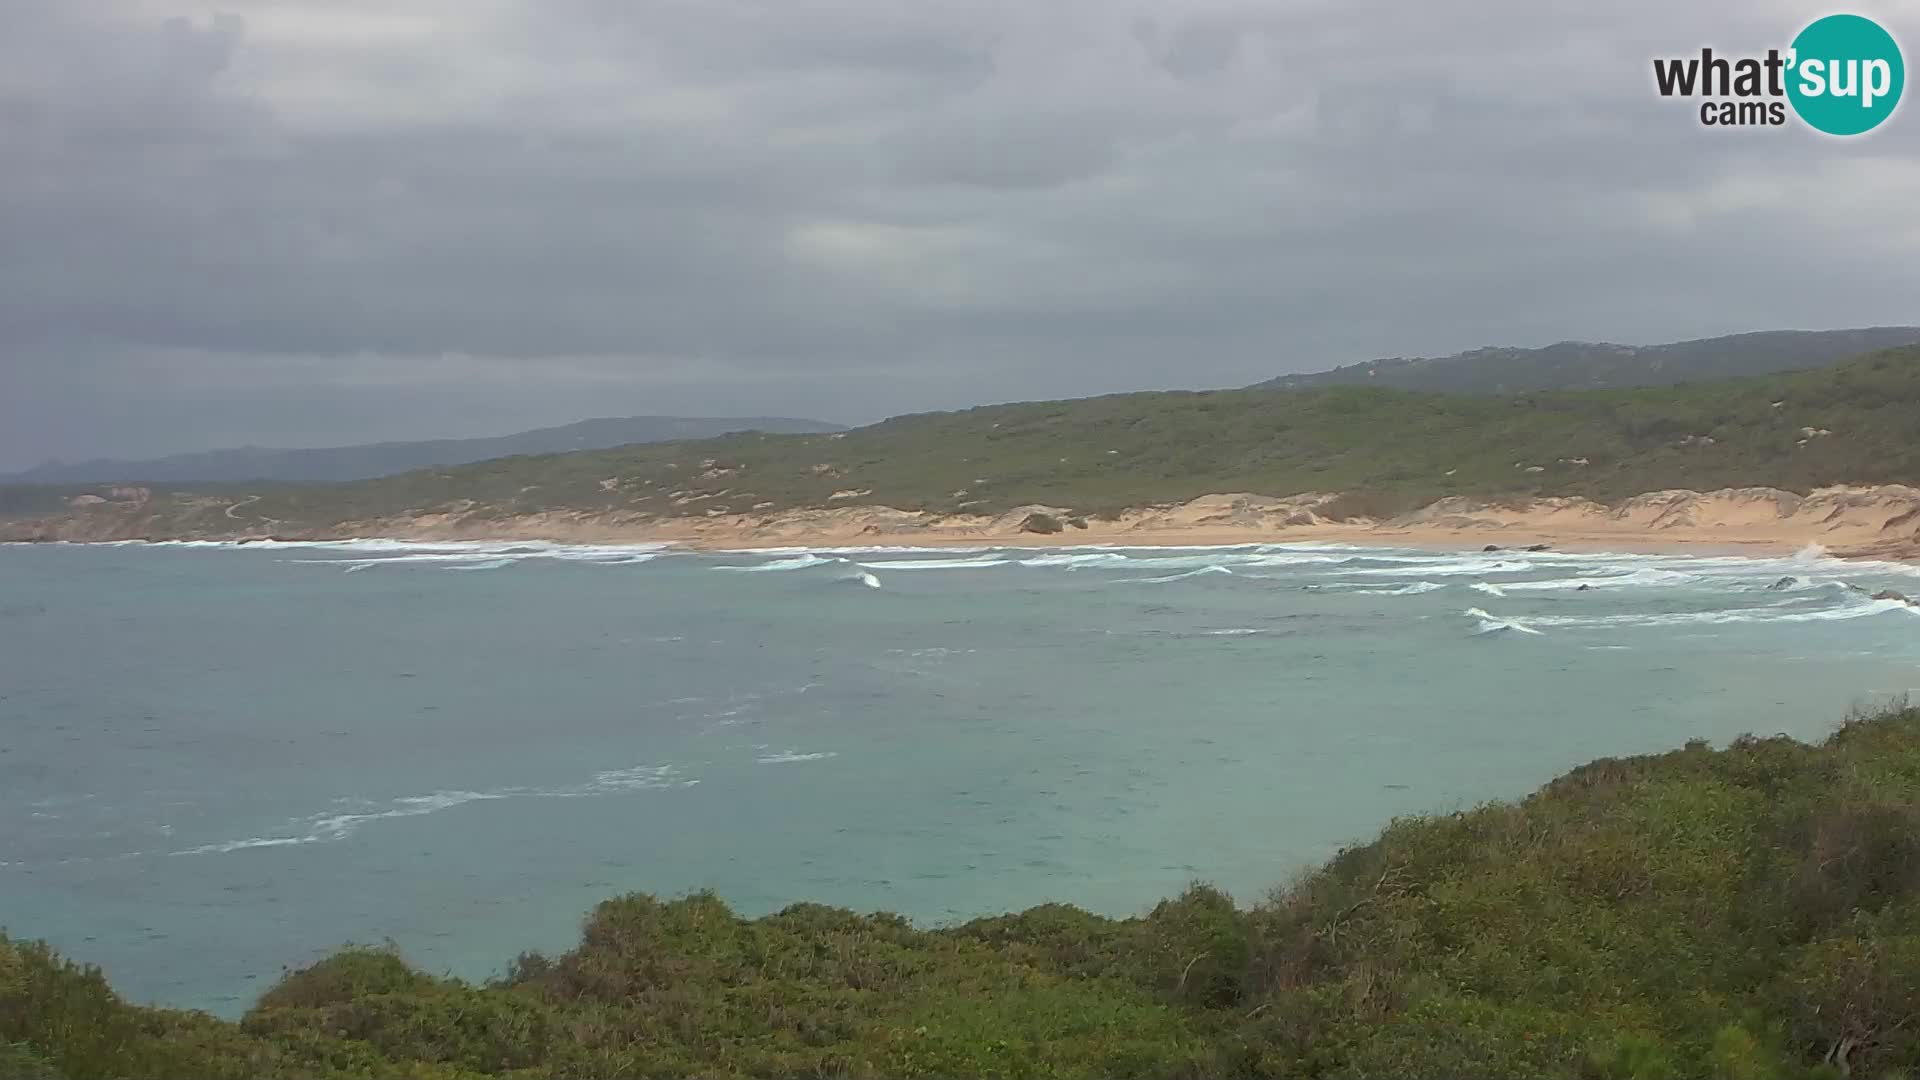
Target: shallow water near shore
220 760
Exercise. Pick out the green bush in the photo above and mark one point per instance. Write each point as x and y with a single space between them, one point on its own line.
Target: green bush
344 977
19 1062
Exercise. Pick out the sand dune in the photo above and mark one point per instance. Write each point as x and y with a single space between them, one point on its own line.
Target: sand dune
1882 522
1877 522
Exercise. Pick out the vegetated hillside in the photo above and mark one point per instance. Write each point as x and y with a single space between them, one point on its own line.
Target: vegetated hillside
1751 912
1580 365
1859 422
1855 423
339 463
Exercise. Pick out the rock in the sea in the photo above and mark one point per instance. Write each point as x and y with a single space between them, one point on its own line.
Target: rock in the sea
1783 583
1891 594
1538 547
1491 547
1584 588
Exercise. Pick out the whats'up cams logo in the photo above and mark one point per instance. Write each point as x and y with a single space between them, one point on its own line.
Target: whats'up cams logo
1842 75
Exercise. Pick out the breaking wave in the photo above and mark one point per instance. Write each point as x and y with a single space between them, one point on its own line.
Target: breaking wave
798 562
455 555
1493 624
1074 559
1455 568
1414 589
330 827
936 564
1774 613
1216 569
786 757
1645 577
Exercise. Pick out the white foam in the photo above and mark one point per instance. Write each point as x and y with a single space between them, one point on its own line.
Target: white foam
1799 585
798 562
1487 587
252 842
1074 559
637 778
936 564
471 556
790 756
328 828
401 560
486 564
1187 561
868 580
378 546
1298 559
869 549
1493 624
1773 613
1195 559
1445 569
1645 577
1414 589
341 826
1178 577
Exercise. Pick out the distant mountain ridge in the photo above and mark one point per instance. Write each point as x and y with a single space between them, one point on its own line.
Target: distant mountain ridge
1580 365
1363 451
336 464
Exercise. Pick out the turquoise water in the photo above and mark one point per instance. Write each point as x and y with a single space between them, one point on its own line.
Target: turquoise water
217 761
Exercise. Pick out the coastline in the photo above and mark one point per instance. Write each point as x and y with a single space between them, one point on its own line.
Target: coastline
1878 522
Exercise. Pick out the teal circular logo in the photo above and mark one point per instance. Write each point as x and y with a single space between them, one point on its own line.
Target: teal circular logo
1845 74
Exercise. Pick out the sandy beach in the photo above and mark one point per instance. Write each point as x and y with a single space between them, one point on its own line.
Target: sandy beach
1878 522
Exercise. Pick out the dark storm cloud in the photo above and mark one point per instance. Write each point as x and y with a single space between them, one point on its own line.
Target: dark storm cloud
306 221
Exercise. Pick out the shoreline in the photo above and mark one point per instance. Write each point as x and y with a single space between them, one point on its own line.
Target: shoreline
1451 541
1419 540
1881 523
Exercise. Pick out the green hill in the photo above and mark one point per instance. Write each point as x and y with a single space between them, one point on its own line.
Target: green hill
1581 365
1852 423
1745 913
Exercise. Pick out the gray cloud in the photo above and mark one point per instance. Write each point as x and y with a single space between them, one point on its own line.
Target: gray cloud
308 221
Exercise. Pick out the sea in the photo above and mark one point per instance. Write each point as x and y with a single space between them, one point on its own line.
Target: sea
222 761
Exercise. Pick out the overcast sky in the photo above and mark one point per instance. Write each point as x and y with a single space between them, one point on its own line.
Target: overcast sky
309 222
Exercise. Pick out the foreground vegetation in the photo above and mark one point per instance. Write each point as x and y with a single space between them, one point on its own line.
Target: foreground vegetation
1750 912
1854 423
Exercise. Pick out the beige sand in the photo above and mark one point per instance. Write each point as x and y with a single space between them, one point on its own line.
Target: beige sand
1870 522
1865 522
